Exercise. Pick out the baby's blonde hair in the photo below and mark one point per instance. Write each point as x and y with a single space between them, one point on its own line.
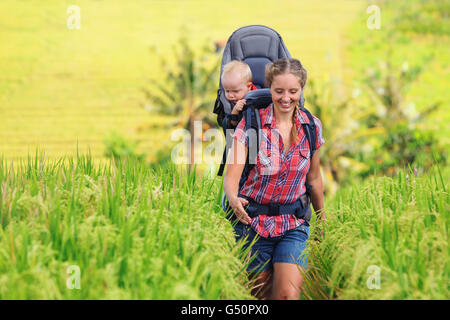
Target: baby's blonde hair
238 66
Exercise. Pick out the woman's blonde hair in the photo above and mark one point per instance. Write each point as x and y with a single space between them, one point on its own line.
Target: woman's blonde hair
285 65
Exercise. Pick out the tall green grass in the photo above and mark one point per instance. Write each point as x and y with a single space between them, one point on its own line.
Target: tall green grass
135 233
399 225
141 233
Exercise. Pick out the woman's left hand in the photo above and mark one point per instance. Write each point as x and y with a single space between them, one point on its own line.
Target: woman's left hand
237 204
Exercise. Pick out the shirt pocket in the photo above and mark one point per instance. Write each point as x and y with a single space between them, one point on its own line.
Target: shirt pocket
301 160
266 163
264 159
304 152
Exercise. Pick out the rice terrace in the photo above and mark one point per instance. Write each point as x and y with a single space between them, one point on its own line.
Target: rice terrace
104 105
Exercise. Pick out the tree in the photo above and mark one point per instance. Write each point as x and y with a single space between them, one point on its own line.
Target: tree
404 143
342 130
186 89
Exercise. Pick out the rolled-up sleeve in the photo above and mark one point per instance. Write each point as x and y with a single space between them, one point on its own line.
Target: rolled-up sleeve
240 133
319 137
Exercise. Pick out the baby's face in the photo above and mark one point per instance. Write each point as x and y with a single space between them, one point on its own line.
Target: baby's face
235 87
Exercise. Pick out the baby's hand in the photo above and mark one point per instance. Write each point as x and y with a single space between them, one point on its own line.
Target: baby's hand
238 106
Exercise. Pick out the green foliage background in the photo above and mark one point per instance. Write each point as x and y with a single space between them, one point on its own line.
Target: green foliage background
60 86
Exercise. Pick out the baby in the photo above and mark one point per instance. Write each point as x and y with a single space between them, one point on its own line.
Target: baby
237 81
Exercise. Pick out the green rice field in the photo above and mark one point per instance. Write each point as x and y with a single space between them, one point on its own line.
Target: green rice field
137 233
132 233
386 239
60 87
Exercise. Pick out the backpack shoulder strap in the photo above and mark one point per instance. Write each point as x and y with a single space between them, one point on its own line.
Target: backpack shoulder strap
252 128
310 130
252 125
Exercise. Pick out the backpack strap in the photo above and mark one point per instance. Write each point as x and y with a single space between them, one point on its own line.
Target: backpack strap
218 108
310 130
227 125
252 124
299 208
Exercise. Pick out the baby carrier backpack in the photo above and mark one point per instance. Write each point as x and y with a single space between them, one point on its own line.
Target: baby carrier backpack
257 46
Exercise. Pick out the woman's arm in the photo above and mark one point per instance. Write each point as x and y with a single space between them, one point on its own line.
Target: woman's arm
235 165
315 180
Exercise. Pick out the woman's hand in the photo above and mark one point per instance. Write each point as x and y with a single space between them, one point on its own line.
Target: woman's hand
319 236
237 204
235 166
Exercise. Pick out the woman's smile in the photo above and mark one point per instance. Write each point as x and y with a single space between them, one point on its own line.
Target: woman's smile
286 105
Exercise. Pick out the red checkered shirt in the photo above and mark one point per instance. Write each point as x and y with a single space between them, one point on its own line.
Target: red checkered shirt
277 176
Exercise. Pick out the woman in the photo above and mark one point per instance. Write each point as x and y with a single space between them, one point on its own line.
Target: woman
282 165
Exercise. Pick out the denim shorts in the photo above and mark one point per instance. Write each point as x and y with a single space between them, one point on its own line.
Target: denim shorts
266 251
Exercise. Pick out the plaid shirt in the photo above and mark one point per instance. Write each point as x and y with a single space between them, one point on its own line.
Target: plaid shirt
277 176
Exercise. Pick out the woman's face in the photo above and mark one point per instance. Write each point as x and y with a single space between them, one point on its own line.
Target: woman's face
286 91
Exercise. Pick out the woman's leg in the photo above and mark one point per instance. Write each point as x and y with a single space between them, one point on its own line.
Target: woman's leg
287 281
289 260
260 271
